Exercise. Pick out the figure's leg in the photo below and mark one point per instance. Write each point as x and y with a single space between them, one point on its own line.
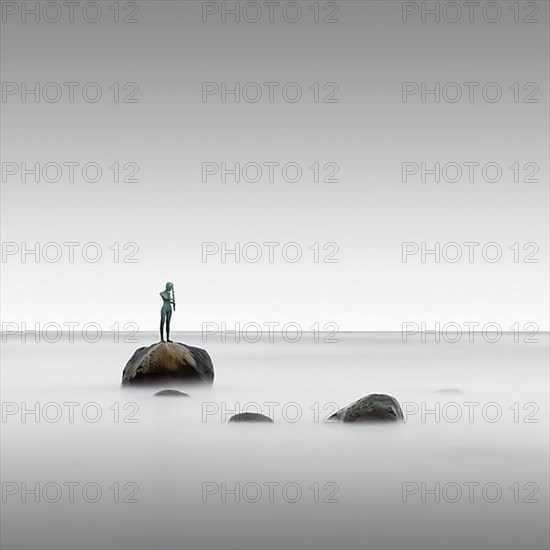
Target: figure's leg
162 316
168 317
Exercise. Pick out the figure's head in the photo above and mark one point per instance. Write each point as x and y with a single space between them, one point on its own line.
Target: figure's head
169 286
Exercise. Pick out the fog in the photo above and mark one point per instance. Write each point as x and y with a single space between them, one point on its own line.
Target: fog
192 480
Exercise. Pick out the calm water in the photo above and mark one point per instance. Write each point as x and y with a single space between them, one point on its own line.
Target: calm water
170 471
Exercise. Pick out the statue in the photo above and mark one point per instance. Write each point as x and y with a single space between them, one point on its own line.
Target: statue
168 298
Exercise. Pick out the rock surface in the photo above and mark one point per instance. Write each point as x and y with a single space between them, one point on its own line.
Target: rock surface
376 407
168 363
250 417
171 393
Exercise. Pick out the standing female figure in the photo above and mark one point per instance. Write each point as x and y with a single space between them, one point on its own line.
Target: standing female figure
166 310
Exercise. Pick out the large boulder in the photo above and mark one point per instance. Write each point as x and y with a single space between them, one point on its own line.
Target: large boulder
168 363
376 407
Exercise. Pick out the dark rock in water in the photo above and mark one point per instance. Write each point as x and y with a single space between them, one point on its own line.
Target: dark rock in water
168 363
171 393
376 407
250 417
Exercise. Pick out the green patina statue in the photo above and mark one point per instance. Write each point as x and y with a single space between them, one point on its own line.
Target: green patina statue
168 298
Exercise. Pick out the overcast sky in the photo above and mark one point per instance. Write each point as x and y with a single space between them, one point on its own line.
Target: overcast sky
355 125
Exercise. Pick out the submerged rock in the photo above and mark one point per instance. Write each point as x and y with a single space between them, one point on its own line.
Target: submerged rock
168 363
171 393
376 407
250 417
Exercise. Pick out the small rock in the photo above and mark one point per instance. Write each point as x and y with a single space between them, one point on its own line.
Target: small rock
171 393
250 417
376 407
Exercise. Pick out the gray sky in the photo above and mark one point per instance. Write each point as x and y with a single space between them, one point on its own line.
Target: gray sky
361 141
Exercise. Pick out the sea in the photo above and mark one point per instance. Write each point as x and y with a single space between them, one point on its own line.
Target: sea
88 465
